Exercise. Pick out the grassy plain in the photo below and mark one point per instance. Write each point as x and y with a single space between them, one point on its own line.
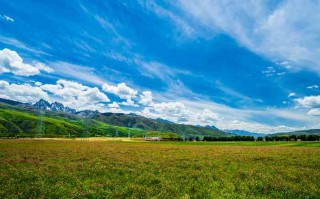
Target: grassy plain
118 169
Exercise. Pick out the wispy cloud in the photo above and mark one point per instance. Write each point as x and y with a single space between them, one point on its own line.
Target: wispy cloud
182 25
158 70
78 72
18 44
112 29
7 18
313 87
287 31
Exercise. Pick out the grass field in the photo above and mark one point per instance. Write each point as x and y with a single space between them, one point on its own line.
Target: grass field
115 169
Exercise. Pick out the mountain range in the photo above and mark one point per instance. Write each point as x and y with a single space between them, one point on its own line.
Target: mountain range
246 133
56 106
17 118
24 118
300 132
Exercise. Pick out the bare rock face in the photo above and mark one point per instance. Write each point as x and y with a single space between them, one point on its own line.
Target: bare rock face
56 106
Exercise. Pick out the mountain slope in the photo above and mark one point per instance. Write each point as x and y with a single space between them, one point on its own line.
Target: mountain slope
246 133
301 132
24 122
136 121
23 119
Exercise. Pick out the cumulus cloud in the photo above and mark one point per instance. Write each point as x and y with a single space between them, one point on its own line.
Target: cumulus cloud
146 98
173 109
283 31
207 116
76 95
38 83
255 127
114 105
310 102
11 62
121 90
21 92
129 102
314 112
115 108
178 112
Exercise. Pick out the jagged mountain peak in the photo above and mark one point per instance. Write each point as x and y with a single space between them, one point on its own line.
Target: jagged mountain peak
42 104
55 106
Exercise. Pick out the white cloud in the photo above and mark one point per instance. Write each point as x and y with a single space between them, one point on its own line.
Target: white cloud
255 127
283 31
314 112
129 102
178 112
7 18
291 95
309 102
151 69
285 64
18 44
11 62
21 92
76 95
272 71
121 90
172 109
114 105
42 67
208 117
312 103
183 27
78 72
154 69
38 83
111 29
313 87
227 114
146 98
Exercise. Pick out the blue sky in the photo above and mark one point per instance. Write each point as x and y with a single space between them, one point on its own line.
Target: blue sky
250 66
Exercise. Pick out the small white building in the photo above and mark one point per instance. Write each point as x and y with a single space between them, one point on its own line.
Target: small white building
152 138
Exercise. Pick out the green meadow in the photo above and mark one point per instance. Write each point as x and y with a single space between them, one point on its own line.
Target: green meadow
91 168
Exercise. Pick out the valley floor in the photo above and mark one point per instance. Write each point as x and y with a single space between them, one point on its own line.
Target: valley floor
91 168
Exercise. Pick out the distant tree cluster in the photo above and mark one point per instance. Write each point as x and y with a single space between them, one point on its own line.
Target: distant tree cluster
293 138
232 138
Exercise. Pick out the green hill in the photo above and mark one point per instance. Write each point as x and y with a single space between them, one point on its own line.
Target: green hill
136 121
301 132
22 120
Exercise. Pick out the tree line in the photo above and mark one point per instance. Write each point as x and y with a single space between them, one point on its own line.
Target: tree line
260 139
293 138
231 138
